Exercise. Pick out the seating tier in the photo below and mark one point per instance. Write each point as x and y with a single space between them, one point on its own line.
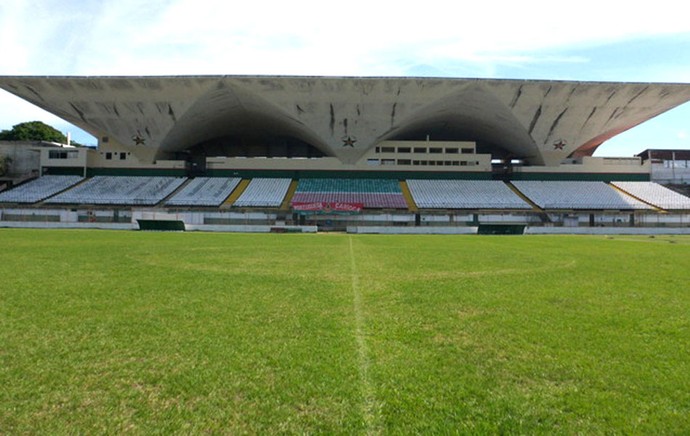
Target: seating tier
654 193
120 190
264 192
464 194
39 189
204 191
349 185
372 193
577 195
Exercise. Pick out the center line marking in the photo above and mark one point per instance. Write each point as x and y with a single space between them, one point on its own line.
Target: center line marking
370 408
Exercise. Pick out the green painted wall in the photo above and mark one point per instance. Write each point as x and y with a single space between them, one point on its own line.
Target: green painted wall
162 225
63 171
590 177
135 172
330 174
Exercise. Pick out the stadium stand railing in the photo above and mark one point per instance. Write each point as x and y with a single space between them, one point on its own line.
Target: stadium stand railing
39 189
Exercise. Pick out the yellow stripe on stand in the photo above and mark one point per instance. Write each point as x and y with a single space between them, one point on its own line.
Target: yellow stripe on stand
408 197
285 205
236 193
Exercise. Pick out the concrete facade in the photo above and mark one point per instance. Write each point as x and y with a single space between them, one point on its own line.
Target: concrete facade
345 118
21 160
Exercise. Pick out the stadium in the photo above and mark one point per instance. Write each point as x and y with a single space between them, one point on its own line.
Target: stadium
430 330
338 153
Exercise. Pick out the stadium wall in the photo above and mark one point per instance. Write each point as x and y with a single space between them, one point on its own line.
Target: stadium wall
384 230
387 223
607 231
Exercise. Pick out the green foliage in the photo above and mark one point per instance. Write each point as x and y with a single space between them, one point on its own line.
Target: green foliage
134 332
33 131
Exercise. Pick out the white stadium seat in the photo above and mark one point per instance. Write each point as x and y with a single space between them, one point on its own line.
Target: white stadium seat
264 192
654 193
39 189
577 195
204 191
464 194
120 190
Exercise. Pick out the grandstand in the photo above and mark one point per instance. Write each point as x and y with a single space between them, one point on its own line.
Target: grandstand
371 193
411 152
464 194
330 203
39 189
204 191
114 190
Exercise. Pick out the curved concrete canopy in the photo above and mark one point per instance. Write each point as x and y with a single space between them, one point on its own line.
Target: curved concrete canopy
473 113
541 121
228 110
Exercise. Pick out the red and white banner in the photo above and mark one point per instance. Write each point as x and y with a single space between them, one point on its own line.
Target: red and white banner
326 207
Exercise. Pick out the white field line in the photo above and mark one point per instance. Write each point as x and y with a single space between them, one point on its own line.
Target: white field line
370 409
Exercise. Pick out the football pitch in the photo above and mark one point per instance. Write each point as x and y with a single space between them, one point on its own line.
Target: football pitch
135 332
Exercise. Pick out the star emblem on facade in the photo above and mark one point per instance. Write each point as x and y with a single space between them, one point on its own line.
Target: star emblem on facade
559 145
349 142
138 139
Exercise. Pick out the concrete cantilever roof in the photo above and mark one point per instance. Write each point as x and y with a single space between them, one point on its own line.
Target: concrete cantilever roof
541 121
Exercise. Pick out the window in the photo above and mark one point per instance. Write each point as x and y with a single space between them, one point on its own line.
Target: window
388 149
467 150
404 162
108 156
387 161
123 156
54 154
404 149
420 149
378 149
63 154
463 163
451 150
436 150
373 162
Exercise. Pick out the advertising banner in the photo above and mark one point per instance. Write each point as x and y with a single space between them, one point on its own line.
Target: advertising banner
327 207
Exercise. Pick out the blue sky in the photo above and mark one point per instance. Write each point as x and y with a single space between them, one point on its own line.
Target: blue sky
589 40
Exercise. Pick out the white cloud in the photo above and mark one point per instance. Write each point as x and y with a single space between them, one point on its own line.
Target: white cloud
15 49
307 37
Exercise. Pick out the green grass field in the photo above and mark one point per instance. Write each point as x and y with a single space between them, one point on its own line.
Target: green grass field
112 332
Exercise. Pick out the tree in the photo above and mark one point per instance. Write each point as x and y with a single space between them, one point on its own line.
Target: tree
33 131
